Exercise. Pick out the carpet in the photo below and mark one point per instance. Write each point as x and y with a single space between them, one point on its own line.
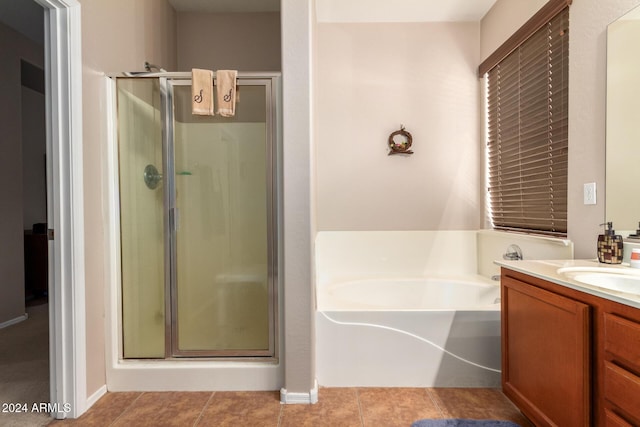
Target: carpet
24 368
458 422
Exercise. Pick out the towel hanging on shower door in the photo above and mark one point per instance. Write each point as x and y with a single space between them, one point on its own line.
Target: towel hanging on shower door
226 91
202 92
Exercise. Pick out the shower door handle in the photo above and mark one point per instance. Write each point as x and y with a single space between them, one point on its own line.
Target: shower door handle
175 219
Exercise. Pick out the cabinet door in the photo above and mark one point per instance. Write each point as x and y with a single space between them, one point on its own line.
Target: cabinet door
545 354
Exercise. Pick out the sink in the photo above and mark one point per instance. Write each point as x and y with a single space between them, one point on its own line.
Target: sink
615 279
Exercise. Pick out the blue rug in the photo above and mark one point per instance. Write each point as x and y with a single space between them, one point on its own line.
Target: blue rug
463 423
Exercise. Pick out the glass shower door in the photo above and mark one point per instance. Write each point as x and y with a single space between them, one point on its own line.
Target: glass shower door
220 206
141 218
197 222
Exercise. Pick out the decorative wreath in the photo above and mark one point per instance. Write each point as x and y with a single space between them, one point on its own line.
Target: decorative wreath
400 142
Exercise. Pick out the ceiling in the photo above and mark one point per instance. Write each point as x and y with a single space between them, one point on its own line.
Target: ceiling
356 10
226 5
26 16
401 10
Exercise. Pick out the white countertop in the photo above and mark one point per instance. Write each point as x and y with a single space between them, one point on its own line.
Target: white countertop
548 270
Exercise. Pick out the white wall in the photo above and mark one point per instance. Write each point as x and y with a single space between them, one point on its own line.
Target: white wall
370 79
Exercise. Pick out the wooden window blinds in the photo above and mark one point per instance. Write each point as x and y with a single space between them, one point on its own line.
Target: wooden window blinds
527 103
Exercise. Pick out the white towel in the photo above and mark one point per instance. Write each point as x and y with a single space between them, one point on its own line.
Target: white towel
202 92
226 90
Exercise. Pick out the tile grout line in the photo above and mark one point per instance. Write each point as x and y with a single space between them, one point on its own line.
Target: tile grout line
204 408
280 414
435 403
359 407
126 409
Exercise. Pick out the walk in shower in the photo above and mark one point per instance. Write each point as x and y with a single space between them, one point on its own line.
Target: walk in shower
198 220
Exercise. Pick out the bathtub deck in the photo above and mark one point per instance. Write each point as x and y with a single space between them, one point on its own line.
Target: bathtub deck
337 407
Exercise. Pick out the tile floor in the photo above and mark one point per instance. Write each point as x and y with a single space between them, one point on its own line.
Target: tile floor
337 407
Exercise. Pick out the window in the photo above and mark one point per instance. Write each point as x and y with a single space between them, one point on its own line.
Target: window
527 140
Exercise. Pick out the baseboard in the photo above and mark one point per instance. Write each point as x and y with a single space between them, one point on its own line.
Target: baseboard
91 400
14 321
290 398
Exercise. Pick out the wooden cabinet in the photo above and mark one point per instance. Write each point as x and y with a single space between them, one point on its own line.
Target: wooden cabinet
621 362
546 354
569 358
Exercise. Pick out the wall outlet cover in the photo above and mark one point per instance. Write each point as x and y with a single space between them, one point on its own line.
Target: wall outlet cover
590 193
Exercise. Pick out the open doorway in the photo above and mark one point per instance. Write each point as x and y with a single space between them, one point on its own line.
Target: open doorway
59 20
24 311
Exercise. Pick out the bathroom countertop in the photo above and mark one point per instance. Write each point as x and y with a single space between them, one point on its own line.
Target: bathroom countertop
548 270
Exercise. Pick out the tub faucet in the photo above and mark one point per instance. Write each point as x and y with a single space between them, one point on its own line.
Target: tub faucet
514 253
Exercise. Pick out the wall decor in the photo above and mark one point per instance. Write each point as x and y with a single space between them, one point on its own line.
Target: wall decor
400 142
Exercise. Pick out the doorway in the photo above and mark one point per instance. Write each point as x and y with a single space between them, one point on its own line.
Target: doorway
63 67
24 326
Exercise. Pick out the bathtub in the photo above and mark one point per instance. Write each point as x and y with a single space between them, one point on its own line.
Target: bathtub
439 331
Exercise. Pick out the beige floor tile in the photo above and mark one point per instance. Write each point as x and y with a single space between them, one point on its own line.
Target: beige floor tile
395 406
254 409
336 407
104 412
164 409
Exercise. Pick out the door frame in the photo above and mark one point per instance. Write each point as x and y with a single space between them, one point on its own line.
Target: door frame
65 207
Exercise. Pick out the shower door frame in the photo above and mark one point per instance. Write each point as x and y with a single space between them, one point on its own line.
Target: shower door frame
170 218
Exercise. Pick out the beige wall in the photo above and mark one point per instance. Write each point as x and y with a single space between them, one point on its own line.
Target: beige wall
370 79
588 20
297 102
502 20
13 48
117 35
236 41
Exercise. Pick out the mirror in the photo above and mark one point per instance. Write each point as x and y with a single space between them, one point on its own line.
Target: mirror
623 123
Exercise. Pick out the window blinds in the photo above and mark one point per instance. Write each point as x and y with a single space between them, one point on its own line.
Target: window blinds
528 132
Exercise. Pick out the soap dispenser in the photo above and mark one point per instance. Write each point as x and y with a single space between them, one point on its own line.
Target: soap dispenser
637 234
610 246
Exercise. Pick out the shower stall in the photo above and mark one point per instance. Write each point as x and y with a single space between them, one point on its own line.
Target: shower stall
198 198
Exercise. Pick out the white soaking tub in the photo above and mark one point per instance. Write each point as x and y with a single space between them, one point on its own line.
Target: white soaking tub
409 332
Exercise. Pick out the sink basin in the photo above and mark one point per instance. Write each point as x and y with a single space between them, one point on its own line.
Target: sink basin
615 279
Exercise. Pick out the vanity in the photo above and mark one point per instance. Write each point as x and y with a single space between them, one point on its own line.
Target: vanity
571 342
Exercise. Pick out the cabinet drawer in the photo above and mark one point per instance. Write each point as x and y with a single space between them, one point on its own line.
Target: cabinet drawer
622 388
622 338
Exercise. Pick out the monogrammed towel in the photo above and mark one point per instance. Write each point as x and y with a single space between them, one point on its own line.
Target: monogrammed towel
226 90
202 92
